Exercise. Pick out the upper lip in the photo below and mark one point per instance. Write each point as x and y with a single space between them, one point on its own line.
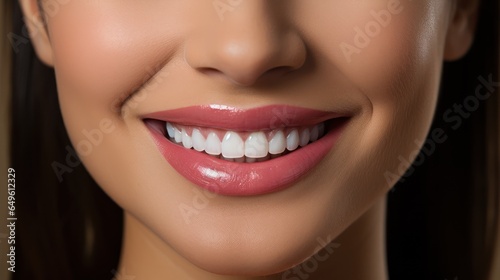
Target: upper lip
237 119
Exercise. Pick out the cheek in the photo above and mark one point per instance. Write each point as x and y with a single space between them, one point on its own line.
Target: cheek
398 71
387 48
391 63
387 54
104 51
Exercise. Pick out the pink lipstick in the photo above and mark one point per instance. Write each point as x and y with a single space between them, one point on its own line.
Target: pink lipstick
244 152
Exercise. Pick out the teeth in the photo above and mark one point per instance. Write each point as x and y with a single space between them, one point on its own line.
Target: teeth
314 133
198 140
228 159
264 158
256 145
241 159
250 160
259 146
170 130
213 145
277 144
177 135
232 145
321 129
304 137
186 140
292 140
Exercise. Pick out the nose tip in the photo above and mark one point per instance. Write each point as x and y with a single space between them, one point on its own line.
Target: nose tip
246 55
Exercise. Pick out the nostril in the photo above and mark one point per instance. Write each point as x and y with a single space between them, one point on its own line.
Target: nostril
266 76
209 71
279 70
244 58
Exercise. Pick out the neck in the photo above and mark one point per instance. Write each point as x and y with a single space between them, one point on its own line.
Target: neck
358 253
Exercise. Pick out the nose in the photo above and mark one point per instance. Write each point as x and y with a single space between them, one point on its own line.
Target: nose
253 42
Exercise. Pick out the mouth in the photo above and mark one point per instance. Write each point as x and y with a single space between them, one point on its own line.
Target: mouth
239 152
241 146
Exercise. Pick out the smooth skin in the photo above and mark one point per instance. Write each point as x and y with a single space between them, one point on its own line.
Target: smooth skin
118 60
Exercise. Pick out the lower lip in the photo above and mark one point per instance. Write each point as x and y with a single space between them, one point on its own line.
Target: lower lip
245 179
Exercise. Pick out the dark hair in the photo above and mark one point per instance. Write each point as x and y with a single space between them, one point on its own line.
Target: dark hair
441 219
69 228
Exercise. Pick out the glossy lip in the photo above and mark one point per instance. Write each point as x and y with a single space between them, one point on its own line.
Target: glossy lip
245 179
235 119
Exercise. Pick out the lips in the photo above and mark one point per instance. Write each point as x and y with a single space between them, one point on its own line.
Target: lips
240 152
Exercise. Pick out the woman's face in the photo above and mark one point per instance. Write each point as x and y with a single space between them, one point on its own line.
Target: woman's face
376 63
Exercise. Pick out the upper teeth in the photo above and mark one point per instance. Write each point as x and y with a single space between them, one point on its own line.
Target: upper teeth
244 146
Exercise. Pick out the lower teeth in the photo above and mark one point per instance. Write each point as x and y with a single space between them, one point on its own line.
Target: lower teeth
249 159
